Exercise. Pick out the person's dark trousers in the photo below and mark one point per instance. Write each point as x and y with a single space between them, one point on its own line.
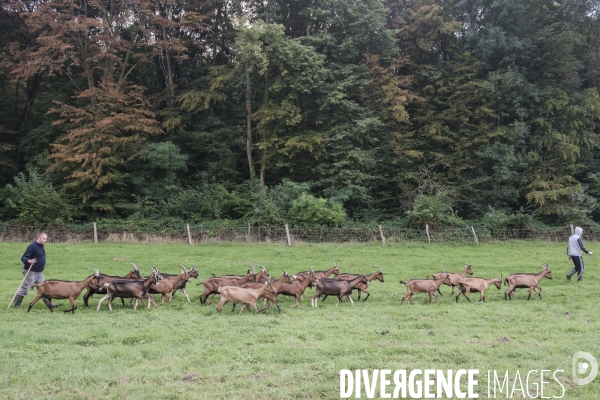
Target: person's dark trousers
579 267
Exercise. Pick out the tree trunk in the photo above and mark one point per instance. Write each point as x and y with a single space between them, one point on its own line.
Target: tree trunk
249 120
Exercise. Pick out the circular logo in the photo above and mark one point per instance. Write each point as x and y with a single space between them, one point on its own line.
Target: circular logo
585 368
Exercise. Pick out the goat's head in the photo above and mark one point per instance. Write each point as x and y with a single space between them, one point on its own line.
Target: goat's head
336 269
364 278
96 279
379 276
194 272
156 276
135 273
286 277
185 274
263 273
548 273
498 282
468 268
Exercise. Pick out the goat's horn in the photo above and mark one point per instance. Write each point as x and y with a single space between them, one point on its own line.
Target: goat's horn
335 263
184 268
377 266
262 267
253 270
363 271
134 266
96 272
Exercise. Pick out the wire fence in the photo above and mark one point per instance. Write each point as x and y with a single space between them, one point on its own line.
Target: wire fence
198 234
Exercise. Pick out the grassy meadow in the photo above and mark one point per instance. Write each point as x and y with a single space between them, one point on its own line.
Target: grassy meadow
188 351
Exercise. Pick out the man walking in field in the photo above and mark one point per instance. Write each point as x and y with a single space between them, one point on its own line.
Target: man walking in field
574 252
34 261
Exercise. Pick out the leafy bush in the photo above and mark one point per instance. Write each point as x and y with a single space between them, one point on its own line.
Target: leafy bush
272 205
436 211
308 210
33 200
522 219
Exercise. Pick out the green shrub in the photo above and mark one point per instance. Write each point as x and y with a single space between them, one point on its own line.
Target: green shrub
33 200
308 210
436 211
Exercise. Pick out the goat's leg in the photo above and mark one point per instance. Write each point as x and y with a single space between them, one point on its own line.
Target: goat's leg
212 295
87 296
530 291
73 305
48 303
436 297
367 292
186 295
106 296
404 298
350 298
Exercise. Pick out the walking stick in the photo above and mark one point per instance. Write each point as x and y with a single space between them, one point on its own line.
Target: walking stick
25 277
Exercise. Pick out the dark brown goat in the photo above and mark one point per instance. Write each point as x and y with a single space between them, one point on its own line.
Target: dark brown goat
336 287
361 287
130 288
99 288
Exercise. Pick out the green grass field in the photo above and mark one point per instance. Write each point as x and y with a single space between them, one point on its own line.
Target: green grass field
188 351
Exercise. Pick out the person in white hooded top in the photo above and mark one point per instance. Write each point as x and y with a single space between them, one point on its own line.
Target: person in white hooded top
574 251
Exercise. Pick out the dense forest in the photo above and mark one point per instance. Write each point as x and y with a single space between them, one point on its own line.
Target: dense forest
322 112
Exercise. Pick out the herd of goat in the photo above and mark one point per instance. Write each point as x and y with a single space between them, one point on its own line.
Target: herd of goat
251 287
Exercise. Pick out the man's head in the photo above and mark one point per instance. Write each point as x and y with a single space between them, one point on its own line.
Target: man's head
42 237
579 231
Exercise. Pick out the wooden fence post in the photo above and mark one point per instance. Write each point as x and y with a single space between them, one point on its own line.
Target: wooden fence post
248 240
427 230
95 234
572 230
287 233
189 234
474 235
382 237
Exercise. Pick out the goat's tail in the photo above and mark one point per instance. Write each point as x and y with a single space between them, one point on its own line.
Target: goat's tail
403 283
505 281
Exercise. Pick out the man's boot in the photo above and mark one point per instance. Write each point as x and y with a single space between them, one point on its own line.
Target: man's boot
18 301
571 273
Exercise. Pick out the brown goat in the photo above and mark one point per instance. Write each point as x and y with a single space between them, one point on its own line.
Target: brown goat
467 285
99 287
245 296
297 287
55 289
192 273
130 288
211 285
423 286
453 277
270 295
361 287
167 283
526 280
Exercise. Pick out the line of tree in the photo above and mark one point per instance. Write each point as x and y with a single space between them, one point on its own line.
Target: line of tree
303 111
